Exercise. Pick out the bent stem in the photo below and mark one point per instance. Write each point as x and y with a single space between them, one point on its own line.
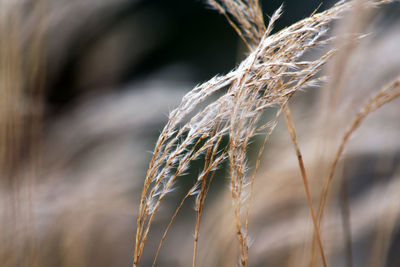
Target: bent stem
384 96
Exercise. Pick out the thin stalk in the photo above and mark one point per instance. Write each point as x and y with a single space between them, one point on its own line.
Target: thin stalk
292 132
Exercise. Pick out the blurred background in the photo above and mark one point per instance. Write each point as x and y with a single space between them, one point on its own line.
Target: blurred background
85 89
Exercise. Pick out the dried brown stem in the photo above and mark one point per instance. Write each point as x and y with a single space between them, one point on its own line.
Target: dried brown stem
293 136
384 96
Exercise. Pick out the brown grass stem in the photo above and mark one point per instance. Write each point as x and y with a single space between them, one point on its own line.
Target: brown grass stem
293 136
384 96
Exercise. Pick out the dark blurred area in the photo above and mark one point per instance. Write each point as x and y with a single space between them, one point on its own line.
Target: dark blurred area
122 42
